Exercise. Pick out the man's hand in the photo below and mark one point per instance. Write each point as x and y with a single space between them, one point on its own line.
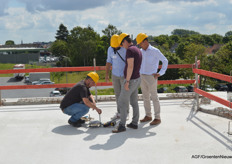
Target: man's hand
99 111
156 75
126 86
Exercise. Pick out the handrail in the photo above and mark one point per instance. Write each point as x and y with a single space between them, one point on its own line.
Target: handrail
213 97
212 74
216 76
69 69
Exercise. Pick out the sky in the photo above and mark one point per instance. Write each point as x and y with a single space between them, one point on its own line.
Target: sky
38 20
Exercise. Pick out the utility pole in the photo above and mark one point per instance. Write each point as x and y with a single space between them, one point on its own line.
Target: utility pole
94 64
0 98
197 84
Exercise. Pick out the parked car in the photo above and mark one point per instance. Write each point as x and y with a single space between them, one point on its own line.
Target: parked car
229 87
162 90
209 88
55 93
62 90
27 79
40 80
221 87
45 83
181 89
190 88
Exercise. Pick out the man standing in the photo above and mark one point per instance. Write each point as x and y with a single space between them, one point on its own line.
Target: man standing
78 100
149 77
116 57
129 93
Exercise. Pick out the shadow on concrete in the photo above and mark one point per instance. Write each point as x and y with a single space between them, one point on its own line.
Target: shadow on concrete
193 119
67 130
117 140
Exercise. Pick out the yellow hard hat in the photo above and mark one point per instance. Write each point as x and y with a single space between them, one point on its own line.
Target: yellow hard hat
140 37
121 37
114 41
94 76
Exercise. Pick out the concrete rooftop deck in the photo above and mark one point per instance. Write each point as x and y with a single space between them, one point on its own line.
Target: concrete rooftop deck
39 134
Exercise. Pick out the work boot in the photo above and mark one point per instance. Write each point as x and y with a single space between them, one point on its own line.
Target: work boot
155 122
81 121
74 124
119 129
146 119
133 126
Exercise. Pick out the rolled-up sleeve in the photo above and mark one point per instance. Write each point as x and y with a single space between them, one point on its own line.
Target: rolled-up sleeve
164 61
109 59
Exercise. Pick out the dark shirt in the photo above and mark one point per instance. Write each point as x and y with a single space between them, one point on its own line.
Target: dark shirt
134 52
75 95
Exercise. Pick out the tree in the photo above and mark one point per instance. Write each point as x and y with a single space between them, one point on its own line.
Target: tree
164 41
183 32
217 38
181 50
227 39
207 40
171 74
59 48
9 42
224 59
175 38
110 30
64 61
83 45
62 33
229 33
190 51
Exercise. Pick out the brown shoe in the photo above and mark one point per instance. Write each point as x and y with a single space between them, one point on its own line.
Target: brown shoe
146 118
155 122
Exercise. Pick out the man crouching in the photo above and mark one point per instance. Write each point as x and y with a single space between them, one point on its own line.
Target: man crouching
78 100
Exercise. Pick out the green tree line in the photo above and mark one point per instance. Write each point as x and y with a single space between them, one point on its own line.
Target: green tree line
79 46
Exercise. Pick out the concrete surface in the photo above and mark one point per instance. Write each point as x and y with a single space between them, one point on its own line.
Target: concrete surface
55 100
39 134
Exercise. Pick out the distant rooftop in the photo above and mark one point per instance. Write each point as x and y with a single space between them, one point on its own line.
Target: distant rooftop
23 47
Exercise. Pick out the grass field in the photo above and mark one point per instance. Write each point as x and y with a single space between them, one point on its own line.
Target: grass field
72 77
11 66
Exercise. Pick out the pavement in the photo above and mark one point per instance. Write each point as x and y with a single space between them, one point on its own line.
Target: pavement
40 134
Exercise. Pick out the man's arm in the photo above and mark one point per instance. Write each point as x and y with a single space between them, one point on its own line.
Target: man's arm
164 61
93 100
130 69
91 105
108 66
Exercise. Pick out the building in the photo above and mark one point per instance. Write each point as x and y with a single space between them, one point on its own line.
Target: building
24 53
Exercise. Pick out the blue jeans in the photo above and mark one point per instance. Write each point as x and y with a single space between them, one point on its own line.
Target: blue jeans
76 111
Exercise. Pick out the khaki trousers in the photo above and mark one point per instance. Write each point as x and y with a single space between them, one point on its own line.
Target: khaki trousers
149 90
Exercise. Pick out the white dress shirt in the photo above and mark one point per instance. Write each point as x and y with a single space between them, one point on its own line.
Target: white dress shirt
150 62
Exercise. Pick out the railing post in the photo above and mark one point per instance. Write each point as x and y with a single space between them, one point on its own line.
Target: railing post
197 84
94 64
0 98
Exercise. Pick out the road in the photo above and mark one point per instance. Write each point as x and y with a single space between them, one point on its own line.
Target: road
22 93
25 93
